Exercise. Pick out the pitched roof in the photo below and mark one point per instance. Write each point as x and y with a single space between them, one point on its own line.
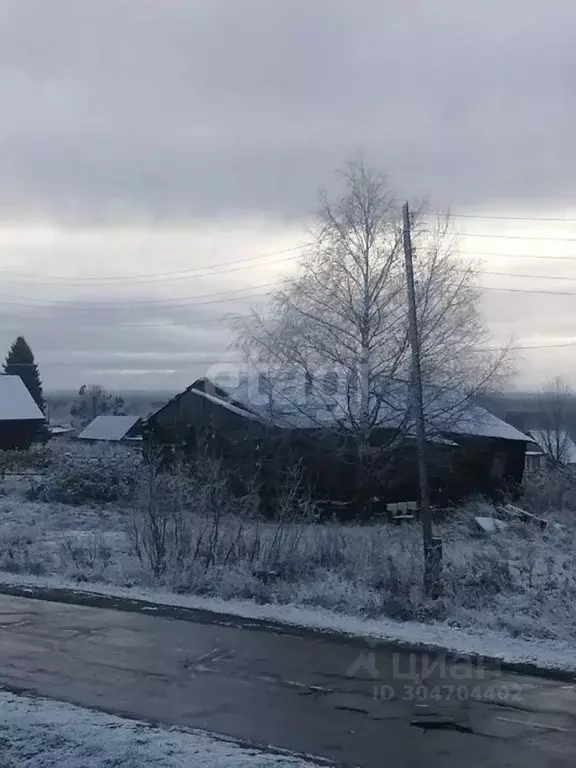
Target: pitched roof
111 428
478 421
16 402
287 404
227 405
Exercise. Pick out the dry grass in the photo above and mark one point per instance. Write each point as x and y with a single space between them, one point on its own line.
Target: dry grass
190 534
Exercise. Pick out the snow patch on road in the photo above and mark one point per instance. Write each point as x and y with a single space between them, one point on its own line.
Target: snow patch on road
36 733
546 654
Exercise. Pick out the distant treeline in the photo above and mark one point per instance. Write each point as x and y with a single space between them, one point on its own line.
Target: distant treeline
524 410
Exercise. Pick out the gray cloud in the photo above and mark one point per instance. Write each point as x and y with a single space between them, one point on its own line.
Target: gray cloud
207 108
117 111
148 347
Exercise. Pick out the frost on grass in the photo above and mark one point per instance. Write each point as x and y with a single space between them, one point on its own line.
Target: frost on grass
37 733
189 535
100 477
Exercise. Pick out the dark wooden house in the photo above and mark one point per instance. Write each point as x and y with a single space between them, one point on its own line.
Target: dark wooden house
259 428
204 418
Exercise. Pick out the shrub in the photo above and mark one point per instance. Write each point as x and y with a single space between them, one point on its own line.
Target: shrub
185 514
549 490
22 552
479 576
85 558
24 462
79 480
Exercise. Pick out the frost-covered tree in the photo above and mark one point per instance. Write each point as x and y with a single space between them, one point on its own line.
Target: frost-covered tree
553 403
20 362
94 400
335 339
341 321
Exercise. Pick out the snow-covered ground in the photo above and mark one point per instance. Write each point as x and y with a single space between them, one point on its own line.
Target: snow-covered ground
38 733
509 595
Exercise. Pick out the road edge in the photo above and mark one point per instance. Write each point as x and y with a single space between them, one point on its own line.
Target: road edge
203 616
264 749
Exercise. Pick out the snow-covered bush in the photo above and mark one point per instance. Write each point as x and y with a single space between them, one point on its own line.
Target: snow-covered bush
85 558
550 490
74 479
479 576
22 551
182 514
24 462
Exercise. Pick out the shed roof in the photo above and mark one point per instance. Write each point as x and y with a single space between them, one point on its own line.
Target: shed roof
111 428
16 402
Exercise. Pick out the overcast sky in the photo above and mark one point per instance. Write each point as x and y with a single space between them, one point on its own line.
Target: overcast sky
141 137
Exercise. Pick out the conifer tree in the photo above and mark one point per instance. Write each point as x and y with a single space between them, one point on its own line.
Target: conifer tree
20 362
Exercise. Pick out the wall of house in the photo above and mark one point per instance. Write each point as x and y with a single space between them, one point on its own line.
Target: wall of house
475 466
19 434
487 466
190 421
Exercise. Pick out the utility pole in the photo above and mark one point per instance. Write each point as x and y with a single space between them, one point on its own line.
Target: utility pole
432 546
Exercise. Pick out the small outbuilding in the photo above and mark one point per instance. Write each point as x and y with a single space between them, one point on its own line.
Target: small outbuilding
113 429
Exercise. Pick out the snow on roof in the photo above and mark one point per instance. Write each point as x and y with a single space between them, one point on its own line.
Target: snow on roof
566 445
112 428
16 403
478 421
228 406
288 404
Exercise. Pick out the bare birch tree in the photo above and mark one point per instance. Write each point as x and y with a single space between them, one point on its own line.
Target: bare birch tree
339 326
553 403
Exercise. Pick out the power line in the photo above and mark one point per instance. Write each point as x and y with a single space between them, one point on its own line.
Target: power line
518 237
80 363
521 256
546 346
510 218
530 290
532 346
119 309
161 303
190 324
110 365
148 281
225 296
184 364
180 274
212 360
531 277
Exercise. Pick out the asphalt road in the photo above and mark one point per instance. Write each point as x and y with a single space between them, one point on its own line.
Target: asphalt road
360 706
